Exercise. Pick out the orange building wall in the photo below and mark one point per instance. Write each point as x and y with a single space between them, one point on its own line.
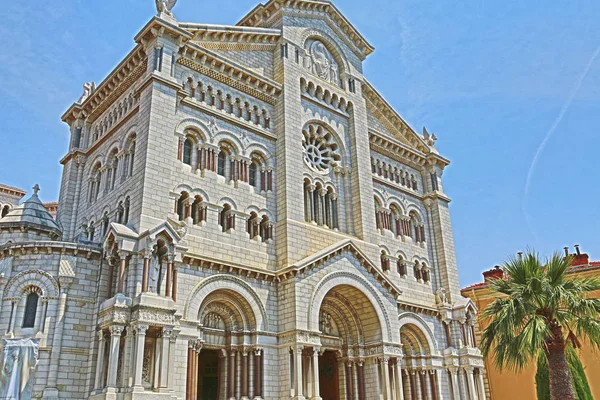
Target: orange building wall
506 385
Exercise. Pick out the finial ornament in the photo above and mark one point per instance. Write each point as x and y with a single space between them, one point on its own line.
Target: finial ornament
429 138
36 189
165 6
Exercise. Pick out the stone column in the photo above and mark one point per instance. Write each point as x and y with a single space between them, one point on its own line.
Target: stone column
99 383
138 365
168 285
109 278
231 376
481 385
385 381
145 273
399 388
128 355
454 378
244 375
163 377
11 322
361 380
349 386
171 376
258 373
298 384
471 382
438 386
315 377
121 276
113 357
174 293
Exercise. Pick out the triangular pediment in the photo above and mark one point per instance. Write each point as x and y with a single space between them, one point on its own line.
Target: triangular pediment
263 15
391 121
344 246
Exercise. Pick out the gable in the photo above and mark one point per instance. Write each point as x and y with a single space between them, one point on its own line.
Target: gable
348 248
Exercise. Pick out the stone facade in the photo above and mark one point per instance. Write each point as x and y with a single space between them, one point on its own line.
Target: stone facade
247 218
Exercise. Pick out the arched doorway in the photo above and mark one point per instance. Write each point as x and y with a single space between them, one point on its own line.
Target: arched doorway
420 379
349 324
220 364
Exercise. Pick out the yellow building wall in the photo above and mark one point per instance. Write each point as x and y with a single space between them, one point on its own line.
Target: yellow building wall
507 385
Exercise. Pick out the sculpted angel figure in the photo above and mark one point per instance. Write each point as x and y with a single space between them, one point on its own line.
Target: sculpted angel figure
165 6
440 296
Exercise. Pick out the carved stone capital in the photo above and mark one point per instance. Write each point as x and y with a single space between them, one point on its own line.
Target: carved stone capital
116 330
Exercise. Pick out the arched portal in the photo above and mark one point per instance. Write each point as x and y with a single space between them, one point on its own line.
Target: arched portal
221 365
419 377
349 324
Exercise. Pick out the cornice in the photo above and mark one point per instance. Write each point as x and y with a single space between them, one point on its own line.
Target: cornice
121 79
263 12
391 119
49 247
236 269
228 72
396 150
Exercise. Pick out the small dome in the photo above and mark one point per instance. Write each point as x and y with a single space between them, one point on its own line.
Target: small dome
31 213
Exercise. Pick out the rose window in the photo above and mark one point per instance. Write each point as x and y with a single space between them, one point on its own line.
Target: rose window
320 148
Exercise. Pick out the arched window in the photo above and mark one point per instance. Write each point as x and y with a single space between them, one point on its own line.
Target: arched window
187 152
252 172
111 172
266 229
120 212
417 271
30 310
425 275
252 225
385 261
198 210
401 266
91 231
395 220
5 211
182 206
94 182
131 158
105 222
227 218
221 163
126 211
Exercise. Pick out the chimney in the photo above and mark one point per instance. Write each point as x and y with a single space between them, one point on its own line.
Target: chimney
495 273
579 258
567 251
520 254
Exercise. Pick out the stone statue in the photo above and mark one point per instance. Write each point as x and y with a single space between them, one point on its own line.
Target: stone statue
325 323
165 6
440 296
88 89
323 64
429 138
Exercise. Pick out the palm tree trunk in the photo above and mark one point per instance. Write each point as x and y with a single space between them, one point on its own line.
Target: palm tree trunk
561 384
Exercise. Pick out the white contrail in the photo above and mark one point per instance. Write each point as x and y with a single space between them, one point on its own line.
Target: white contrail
549 134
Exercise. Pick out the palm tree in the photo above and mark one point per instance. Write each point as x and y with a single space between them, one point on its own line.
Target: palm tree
539 310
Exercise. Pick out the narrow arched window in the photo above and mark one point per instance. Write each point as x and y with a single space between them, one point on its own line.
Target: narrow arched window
221 163
187 152
126 211
30 310
252 174
5 211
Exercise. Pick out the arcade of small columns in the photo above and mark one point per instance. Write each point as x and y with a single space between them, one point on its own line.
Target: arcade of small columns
206 158
242 367
120 263
117 351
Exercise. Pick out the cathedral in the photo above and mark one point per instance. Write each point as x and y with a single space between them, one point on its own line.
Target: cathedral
242 216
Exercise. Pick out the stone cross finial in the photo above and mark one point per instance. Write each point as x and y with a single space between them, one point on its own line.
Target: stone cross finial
36 189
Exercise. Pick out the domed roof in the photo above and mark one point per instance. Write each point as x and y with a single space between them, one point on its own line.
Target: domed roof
31 213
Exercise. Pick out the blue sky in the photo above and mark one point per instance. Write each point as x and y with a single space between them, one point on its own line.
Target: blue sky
497 81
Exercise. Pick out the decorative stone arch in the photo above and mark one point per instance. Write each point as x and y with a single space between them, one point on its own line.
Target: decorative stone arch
415 320
231 307
193 124
35 277
412 209
383 247
230 201
261 152
401 255
228 283
338 278
115 147
379 197
260 211
131 133
396 202
192 192
330 43
230 140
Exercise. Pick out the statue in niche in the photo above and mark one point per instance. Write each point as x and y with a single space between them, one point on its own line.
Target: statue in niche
440 296
212 321
154 275
322 63
325 324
